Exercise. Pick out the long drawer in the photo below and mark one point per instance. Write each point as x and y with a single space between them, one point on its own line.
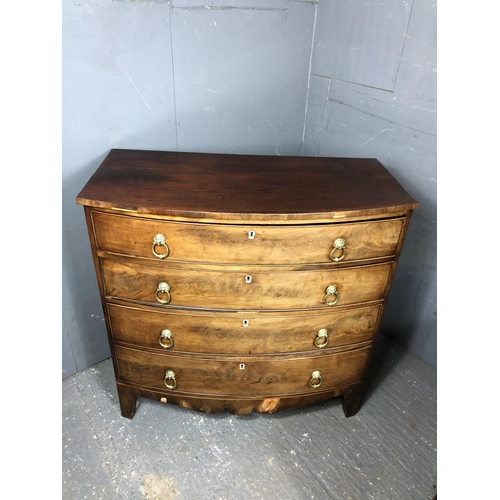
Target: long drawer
268 289
235 333
240 375
245 244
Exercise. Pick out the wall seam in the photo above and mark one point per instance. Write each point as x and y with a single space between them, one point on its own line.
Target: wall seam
171 12
283 80
309 79
336 101
325 116
70 343
404 45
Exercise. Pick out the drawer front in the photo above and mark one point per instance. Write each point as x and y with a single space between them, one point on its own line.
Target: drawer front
228 244
234 333
269 289
240 375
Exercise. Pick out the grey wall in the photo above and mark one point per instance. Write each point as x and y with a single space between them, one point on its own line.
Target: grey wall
176 75
247 76
372 93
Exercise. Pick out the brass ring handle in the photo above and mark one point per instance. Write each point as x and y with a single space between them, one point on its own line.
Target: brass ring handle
163 288
160 241
170 375
321 338
331 290
338 244
315 375
166 334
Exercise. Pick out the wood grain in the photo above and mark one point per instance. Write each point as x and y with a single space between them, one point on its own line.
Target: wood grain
261 376
219 333
228 244
243 187
244 312
238 405
268 289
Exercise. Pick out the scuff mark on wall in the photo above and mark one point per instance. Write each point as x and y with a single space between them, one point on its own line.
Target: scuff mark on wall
376 135
135 87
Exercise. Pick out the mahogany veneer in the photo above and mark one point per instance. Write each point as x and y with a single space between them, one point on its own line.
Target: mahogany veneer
239 283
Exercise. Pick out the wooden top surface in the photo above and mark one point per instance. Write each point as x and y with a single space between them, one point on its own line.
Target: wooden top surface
206 186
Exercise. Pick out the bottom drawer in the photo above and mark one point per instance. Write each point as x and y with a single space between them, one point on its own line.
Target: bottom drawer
241 375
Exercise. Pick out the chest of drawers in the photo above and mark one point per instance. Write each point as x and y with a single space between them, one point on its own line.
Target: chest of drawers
239 283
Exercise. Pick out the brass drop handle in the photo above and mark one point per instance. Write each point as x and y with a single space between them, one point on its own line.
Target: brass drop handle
338 244
166 334
316 379
160 241
165 289
331 291
321 338
170 375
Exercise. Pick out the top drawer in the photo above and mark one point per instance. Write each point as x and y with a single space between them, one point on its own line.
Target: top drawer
246 244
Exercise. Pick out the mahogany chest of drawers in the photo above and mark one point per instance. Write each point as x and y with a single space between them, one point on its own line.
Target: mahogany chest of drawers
240 283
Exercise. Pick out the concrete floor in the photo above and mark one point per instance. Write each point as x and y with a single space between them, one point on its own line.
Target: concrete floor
387 451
